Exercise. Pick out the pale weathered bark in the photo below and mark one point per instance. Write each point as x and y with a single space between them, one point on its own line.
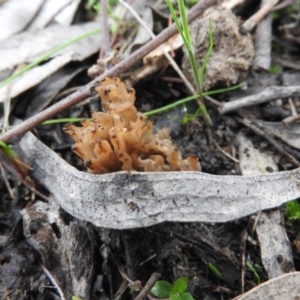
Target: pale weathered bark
121 200
270 93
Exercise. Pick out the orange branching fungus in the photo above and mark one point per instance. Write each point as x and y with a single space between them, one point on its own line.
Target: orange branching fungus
121 138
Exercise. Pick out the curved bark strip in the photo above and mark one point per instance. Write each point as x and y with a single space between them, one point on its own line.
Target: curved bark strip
121 200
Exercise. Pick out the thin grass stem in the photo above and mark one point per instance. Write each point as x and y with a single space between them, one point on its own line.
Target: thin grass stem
183 29
193 97
158 110
208 53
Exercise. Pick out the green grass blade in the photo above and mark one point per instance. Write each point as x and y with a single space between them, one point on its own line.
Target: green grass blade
184 22
194 67
190 98
65 120
184 31
251 267
7 150
158 110
188 44
208 53
46 56
176 20
215 270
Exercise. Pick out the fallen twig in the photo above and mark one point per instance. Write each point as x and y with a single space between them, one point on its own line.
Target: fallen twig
263 39
21 177
257 17
230 4
283 4
270 93
85 92
105 29
166 54
148 286
243 260
54 282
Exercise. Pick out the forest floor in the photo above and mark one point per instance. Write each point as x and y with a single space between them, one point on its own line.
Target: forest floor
46 253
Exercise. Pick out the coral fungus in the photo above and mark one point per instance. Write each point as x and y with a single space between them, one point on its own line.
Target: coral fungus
121 138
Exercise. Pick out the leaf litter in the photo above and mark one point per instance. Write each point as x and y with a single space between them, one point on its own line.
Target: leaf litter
49 14
162 248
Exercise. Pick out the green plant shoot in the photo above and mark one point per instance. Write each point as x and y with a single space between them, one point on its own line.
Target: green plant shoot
183 29
292 210
6 149
178 291
162 289
187 99
253 270
9 156
208 53
161 109
214 270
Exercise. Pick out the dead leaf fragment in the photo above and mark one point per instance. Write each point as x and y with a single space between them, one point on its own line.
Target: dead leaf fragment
280 288
28 46
289 133
65 249
33 77
15 15
66 15
160 196
252 161
48 12
275 248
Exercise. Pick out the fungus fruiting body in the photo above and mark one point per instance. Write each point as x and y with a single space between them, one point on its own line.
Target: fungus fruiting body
121 138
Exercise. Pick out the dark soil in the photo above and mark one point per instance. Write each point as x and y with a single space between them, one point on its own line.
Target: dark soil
72 250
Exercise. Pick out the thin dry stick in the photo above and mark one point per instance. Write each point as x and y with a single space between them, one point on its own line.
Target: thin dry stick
4 177
121 290
10 168
148 286
283 4
294 115
292 107
255 127
225 153
230 4
243 259
120 268
54 282
166 54
257 17
268 94
263 40
22 128
291 119
255 223
105 29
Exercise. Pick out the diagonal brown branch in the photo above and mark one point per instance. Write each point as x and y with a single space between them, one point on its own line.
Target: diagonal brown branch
20 129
